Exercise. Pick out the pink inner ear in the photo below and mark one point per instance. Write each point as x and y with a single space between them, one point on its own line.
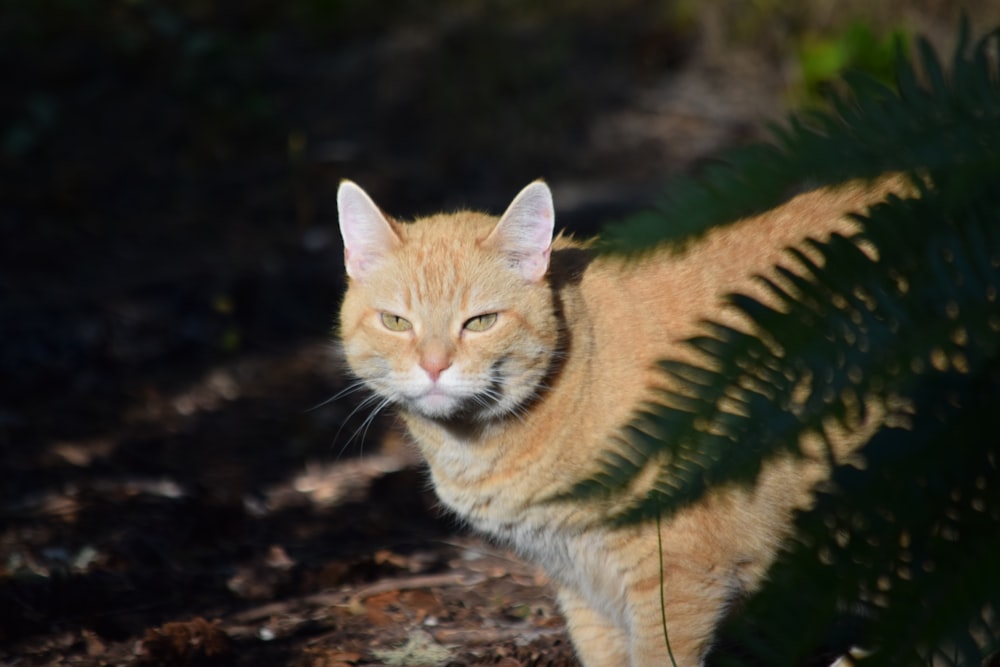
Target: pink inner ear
533 267
525 230
368 236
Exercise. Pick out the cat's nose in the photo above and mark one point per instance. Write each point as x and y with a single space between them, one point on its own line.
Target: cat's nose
435 365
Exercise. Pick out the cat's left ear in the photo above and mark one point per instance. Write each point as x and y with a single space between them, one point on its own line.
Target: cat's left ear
368 236
524 232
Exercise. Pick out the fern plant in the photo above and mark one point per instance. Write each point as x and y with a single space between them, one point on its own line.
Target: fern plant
901 556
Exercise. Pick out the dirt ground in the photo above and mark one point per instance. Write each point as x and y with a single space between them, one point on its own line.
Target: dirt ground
186 479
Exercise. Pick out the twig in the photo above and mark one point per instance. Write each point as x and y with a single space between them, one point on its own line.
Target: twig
495 635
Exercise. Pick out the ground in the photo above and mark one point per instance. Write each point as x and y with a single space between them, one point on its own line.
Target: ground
188 478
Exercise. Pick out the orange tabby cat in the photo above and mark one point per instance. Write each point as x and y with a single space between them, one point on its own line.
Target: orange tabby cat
514 359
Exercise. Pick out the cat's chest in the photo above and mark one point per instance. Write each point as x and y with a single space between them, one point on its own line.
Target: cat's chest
583 562
581 559
507 494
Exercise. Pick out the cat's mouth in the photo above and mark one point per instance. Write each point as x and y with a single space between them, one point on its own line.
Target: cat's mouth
440 403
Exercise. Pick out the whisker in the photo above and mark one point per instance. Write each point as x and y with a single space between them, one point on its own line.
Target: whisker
349 389
371 418
365 425
369 400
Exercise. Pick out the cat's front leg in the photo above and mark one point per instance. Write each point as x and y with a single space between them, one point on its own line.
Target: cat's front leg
597 640
690 607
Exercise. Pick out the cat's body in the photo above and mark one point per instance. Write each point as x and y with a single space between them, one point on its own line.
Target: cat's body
515 363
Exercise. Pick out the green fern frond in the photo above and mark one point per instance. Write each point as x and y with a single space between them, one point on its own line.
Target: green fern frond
918 326
906 547
840 349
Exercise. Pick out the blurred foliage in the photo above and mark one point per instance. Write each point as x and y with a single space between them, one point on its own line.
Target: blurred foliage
818 41
899 555
825 59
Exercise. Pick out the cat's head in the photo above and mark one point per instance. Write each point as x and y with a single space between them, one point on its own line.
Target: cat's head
449 317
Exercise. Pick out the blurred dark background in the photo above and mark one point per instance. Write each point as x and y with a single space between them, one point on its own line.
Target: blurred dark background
170 264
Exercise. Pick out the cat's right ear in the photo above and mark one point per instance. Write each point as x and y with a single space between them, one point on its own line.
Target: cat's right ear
368 236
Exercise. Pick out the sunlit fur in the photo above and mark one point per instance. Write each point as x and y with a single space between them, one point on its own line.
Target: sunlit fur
526 407
439 279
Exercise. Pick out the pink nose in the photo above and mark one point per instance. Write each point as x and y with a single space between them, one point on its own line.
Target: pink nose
434 366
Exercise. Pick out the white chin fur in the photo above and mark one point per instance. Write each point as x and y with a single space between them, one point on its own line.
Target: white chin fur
436 405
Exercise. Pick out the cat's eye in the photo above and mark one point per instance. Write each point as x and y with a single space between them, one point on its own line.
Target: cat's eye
481 322
395 322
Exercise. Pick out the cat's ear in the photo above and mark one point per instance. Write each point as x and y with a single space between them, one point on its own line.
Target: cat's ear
368 236
524 232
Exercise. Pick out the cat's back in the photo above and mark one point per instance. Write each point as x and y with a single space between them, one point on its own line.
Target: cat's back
660 299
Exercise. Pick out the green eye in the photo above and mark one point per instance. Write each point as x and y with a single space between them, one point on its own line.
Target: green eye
481 322
395 322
